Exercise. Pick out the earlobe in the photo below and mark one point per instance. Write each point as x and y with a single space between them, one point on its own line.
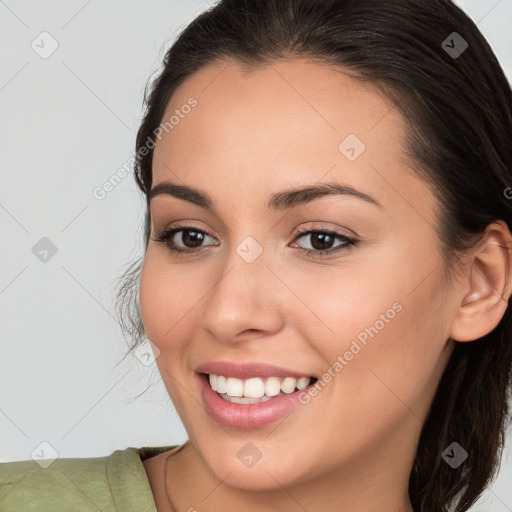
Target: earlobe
487 287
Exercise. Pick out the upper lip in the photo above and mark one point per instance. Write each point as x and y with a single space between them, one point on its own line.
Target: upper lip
248 370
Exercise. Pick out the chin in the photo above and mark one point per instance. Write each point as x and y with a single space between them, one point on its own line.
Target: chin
267 471
264 477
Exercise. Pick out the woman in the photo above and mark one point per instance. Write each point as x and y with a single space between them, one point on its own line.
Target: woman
326 275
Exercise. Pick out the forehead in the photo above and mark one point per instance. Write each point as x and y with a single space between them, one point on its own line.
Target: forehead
287 123
287 102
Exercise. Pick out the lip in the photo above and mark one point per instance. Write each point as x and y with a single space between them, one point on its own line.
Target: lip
247 416
248 370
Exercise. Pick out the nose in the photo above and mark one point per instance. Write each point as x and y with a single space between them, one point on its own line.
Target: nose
246 300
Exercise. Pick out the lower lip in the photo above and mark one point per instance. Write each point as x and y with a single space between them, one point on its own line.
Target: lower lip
247 416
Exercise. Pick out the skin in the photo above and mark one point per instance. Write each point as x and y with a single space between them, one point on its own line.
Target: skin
352 447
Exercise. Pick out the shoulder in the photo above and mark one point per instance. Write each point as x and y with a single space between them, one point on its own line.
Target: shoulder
109 483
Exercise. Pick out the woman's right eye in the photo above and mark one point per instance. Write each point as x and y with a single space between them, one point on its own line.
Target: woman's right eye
189 235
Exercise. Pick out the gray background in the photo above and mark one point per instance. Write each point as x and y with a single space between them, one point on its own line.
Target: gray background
68 122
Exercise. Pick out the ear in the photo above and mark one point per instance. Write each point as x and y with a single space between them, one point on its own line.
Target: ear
486 286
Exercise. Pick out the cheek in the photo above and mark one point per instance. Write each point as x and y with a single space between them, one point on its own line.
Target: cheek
167 299
378 289
383 318
339 304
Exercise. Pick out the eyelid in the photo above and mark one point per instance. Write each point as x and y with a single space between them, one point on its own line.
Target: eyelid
324 227
187 227
349 242
301 230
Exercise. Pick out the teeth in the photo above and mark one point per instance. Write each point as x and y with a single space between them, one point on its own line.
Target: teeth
272 386
244 400
255 389
234 387
221 384
302 383
288 385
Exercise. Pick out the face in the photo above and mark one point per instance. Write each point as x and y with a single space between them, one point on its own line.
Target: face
257 300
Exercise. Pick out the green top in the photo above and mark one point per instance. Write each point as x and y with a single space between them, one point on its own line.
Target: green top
116 482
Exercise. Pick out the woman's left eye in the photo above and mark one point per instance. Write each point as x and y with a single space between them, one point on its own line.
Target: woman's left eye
321 240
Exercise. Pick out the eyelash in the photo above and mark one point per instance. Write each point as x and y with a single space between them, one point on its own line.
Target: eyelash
350 243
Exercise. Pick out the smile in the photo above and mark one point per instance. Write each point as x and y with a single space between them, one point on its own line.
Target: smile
256 389
251 395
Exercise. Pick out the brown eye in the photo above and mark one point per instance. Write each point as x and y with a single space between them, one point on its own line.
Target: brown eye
322 241
190 240
190 237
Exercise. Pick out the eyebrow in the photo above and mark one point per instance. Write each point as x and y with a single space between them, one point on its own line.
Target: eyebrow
279 201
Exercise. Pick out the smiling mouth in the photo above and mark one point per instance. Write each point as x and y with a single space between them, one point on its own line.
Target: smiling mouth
256 389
